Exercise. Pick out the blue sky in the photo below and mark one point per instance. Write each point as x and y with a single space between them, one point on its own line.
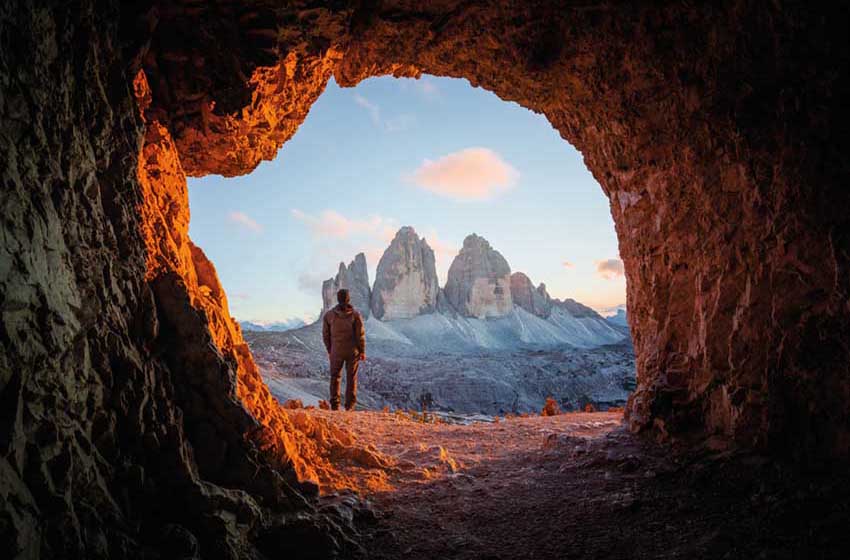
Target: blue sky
436 154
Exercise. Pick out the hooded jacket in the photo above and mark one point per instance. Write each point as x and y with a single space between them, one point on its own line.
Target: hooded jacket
343 331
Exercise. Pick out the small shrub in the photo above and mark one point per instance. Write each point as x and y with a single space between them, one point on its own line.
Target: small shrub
551 408
589 408
293 404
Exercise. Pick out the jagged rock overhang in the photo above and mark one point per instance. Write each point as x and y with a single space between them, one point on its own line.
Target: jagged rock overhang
681 113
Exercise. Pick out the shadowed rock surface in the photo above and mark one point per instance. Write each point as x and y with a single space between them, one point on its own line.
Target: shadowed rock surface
534 300
134 422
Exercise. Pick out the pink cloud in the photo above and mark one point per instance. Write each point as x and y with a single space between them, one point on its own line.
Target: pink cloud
427 88
568 264
330 223
469 174
242 219
373 110
610 269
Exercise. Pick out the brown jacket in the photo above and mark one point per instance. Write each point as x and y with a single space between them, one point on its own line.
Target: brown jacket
343 332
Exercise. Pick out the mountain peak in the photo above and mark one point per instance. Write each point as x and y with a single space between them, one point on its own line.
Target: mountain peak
479 285
355 278
473 240
406 282
534 300
406 231
479 281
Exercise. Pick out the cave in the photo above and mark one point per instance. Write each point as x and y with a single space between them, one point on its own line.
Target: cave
134 423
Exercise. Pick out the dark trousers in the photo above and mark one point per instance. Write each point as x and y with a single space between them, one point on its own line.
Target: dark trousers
351 364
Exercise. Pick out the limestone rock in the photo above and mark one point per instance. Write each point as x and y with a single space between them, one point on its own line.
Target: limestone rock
406 282
354 278
479 281
524 294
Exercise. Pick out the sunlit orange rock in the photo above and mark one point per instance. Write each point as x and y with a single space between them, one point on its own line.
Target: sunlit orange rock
165 225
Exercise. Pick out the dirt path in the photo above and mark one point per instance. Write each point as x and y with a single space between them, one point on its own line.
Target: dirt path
578 486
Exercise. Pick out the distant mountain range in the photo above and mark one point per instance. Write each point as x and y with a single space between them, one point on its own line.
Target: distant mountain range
489 341
619 319
483 303
618 316
277 326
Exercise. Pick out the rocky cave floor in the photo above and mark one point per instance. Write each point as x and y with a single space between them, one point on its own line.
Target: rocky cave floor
575 485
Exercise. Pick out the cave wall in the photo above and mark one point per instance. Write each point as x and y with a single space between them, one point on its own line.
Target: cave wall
133 422
716 131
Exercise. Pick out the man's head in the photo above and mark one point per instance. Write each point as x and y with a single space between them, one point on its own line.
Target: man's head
343 297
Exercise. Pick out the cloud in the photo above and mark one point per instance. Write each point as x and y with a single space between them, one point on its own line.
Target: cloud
470 174
337 238
330 223
243 220
396 123
610 269
310 281
373 110
611 310
399 123
568 264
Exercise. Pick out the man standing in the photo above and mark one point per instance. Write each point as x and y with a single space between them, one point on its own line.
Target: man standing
345 341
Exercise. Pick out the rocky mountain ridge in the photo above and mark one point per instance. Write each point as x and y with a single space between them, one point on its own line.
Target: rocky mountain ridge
480 284
406 283
488 342
276 326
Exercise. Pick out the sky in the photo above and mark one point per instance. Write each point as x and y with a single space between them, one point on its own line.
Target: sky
435 154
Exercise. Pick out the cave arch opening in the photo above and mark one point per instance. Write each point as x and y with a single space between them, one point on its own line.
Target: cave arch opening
694 188
714 129
400 172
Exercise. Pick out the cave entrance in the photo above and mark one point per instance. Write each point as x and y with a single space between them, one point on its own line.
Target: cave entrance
382 191
698 179
715 130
